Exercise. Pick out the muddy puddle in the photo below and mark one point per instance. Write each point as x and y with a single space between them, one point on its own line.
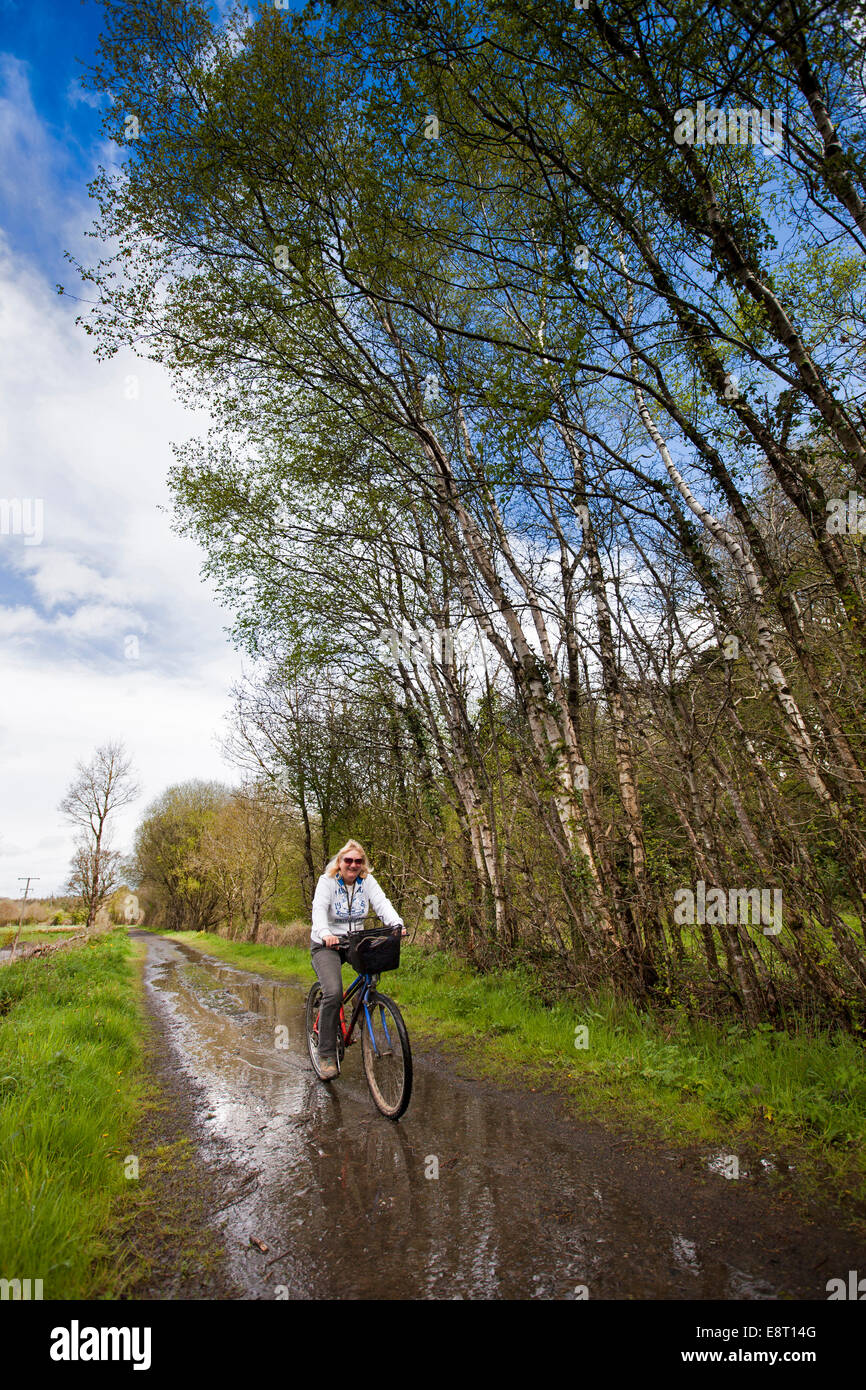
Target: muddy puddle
475 1194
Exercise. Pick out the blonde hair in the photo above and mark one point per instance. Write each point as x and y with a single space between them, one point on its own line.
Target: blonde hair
333 867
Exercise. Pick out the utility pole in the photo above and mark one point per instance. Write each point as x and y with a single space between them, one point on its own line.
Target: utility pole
30 879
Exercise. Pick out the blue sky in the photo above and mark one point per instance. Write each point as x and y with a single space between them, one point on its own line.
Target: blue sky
106 629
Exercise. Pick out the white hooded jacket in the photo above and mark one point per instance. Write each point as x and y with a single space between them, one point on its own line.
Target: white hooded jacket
335 906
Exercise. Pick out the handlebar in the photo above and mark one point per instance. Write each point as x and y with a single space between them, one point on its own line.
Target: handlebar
373 931
400 926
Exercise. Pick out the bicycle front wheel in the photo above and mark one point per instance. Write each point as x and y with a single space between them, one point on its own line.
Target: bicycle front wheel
387 1056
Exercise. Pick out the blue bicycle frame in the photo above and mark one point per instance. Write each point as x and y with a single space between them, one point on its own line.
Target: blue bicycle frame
362 985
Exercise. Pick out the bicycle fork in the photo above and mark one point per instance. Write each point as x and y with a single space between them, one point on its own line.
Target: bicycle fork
390 1047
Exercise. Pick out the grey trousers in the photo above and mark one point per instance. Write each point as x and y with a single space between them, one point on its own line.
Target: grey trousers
328 965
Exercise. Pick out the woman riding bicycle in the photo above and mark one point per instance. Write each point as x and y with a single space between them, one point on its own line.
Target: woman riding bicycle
344 894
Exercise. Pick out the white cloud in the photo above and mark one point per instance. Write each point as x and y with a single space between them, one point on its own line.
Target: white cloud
108 567
52 720
58 576
77 96
97 620
21 622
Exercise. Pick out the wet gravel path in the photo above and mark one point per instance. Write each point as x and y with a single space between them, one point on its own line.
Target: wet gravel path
480 1192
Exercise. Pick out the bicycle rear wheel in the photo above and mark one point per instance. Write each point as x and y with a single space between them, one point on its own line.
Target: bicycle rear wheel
314 1004
387 1057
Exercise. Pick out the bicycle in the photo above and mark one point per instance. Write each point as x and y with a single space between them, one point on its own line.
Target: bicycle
385 1047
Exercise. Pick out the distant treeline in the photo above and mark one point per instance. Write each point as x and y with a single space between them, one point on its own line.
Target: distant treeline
211 857
35 909
57 909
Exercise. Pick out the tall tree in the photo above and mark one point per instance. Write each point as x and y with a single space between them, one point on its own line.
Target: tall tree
100 787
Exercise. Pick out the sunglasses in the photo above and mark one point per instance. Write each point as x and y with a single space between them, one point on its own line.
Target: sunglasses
352 861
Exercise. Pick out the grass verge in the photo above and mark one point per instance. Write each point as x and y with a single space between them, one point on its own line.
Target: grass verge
70 1088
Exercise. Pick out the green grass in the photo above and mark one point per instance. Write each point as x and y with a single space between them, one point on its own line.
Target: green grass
36 934
69 1092
798 1094
814 1082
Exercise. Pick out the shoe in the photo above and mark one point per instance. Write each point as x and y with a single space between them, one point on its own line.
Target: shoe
327 1068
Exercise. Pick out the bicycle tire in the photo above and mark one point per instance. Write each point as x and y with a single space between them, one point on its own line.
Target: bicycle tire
314 1003
311 1013
389 1081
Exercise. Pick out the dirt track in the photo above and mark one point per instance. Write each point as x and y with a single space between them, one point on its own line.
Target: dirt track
528 1203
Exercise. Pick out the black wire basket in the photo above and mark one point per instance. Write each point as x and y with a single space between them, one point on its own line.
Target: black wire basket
374 950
